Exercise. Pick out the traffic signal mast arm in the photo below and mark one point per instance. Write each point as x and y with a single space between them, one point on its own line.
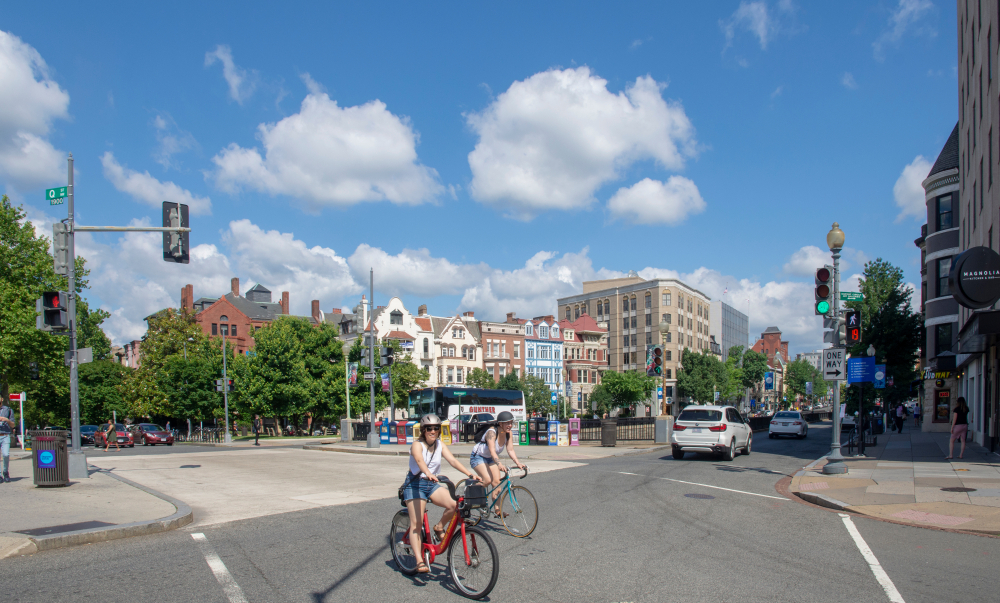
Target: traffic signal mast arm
132 228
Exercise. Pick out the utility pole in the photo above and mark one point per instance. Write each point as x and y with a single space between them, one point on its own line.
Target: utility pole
225 384
77 458
373 437
835 461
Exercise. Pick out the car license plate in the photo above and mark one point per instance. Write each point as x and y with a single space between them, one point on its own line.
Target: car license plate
696 430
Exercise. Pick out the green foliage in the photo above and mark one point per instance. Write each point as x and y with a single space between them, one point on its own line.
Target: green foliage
537 395
800 372
601 400
509 381
628 388
101 383
189 386
704 374
479 378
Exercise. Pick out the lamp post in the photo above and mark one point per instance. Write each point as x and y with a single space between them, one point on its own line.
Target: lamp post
225 382
835 461
191 339
664 327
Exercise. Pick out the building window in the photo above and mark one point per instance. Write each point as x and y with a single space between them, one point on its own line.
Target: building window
576 313
635 340
472 353
233 332
666 299
669 376
225 330
625 323
624 304
669 354
607 308
690 324
648 301
223 318
625 358
555 331
426 345
669 337
543 332
215 328
557 354
502 367
531 352
395 317
567 313
489 369
942 338
459 375
668 319
451 375
649 337
633 303
943 269
689 304
635 321
517 350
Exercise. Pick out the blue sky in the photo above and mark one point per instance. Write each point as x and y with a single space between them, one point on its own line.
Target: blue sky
481 158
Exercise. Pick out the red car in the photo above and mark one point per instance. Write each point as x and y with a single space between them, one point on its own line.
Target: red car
151 434
124 437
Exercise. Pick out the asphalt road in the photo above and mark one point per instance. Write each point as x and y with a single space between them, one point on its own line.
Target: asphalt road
614 530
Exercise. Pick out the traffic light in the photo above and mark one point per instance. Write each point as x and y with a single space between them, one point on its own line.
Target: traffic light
175 244
654 361
824 290
385 353
223 385
60 247
53 311
852 321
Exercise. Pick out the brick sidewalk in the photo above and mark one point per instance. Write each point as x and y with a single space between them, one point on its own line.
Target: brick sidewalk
906 478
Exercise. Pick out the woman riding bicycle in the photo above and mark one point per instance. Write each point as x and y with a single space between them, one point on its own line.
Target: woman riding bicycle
421 482
485 457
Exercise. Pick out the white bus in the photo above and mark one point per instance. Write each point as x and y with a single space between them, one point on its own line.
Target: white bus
446 402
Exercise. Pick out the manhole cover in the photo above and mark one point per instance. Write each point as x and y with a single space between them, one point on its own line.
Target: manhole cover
190 466
957 489
702 496
69 527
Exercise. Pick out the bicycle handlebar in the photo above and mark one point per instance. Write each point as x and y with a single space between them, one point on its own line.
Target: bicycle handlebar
451 485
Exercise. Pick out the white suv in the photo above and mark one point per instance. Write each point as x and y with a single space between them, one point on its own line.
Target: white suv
717 429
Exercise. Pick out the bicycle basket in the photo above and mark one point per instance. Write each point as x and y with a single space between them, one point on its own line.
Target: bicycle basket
475 496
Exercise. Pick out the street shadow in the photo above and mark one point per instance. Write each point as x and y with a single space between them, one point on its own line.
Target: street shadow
738 469
319 597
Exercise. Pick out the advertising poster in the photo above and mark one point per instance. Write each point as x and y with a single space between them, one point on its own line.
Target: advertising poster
352 373
385 382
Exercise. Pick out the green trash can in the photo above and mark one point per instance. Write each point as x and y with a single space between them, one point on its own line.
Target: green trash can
49 457
522 434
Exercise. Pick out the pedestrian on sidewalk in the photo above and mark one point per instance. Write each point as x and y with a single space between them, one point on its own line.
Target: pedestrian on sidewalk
916 415
959 427
256 430
6 429
900 416
111 435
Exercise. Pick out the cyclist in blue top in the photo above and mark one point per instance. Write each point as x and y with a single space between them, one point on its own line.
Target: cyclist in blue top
485 457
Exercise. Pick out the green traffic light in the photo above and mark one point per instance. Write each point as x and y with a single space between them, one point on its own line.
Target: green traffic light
823 306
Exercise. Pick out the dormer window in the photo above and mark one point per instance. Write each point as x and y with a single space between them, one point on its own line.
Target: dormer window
555 331
543 332
527 330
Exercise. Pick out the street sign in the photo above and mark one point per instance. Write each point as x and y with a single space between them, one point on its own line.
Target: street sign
56 195
860 370
369 376
851 296
15 397
833 364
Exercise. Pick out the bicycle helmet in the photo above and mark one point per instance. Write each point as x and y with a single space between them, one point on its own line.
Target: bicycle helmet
430 419
505 417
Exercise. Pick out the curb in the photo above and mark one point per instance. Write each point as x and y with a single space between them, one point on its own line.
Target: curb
181 517
380 452
822 500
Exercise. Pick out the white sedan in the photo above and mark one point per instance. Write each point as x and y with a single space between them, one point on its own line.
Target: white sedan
788 422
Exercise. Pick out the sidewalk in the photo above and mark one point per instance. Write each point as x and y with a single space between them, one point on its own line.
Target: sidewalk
585 451
905 478
100 508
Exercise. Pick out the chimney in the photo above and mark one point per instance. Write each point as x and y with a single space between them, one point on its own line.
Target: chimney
236 286
510 316
336 311
316 314
422 310
284 302
468 314
187 298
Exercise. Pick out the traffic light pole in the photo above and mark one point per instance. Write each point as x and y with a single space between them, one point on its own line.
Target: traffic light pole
834 460
373 437
77 458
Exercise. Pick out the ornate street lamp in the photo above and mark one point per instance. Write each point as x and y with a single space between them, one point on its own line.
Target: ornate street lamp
835 461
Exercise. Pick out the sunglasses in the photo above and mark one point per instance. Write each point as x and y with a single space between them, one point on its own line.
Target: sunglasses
432 429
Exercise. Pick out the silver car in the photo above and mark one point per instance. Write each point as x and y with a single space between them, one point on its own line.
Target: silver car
713 429
788 422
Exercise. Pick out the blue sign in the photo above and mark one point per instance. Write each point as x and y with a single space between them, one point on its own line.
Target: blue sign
659 393
46 459
768 380
554 399
860 370
879 380
579 396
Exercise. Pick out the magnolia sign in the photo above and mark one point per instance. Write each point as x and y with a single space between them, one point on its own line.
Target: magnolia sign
975 278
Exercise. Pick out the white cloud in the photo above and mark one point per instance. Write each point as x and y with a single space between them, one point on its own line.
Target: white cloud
654 202
147 189
909 193
241 82
806 260
30 102
414 272
332 155
753 17
172 140
777 92
847 81
550 141
905 17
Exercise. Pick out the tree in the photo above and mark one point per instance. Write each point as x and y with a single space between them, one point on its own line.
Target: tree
797 374
699 377
479 378
100 391
601 400
189 386
754 366
273 382
537 395
509 381
628 388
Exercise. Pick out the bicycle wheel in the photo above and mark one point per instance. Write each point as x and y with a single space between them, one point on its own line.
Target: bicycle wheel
519 511
477 578
476 516
399 543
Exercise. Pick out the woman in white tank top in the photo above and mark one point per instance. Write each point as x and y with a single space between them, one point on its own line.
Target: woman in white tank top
485 457
421 482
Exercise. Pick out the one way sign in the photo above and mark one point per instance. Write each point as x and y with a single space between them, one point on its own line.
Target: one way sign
833 364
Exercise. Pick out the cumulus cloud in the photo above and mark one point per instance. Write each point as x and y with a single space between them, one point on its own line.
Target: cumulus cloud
805 261
654 202
550 141
171 141
752 17
414 272
147 189
908 192
30 102
905 17
241 82
331 155
847 81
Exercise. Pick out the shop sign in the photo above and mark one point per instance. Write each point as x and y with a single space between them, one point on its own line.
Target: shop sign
932 374
974 280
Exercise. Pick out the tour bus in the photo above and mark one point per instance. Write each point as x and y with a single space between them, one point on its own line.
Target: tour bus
445 402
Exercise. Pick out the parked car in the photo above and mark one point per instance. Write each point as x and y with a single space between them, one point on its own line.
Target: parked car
788 422
54 428
151 434
124 437
87 434
715 429
481 417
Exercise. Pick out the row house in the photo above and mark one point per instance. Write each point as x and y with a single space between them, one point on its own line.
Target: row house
585 347
543 349
503 347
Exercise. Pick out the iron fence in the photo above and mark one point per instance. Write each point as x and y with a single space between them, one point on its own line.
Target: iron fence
212 435
360 431
629 428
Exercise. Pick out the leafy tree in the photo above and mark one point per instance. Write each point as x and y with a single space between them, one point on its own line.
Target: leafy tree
601 400
697 379
480 378
141 395
100 391
628 388
189 386
273 382
754 365
537 395
89 333
509 381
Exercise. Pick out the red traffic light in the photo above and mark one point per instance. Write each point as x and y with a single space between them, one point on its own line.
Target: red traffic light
823 275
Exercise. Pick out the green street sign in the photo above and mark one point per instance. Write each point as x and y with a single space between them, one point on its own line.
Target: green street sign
851 296
56 195
460 393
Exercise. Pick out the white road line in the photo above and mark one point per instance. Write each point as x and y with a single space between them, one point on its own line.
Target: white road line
229 585
876 567
707 486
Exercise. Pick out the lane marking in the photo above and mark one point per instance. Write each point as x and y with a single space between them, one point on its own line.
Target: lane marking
705 486
233 591
876 567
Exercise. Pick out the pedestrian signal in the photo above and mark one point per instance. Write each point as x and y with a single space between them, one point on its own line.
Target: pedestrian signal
852 322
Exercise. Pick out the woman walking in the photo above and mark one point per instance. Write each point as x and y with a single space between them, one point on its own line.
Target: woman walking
959 427
111 436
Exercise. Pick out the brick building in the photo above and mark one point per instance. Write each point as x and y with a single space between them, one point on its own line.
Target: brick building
585 348
769 343
503 347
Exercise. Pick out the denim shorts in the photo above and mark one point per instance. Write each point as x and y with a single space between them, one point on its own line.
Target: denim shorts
476 460
415 488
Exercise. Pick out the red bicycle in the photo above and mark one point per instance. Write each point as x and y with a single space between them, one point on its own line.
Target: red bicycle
472 557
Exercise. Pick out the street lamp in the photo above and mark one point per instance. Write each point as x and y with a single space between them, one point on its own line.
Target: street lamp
835 461
664 328
191 339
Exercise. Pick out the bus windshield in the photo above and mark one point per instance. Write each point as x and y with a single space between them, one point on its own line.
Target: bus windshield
444 402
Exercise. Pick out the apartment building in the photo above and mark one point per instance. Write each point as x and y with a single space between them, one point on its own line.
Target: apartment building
458 343
585 350
503 347
543 350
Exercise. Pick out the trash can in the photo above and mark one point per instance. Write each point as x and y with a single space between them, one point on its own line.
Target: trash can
393 434
574 432
50 458
553 433
522 434
609 432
